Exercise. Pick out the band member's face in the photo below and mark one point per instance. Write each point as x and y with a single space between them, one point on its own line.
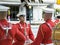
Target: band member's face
47 16
22 19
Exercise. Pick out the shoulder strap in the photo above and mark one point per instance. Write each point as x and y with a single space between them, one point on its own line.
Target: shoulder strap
49 26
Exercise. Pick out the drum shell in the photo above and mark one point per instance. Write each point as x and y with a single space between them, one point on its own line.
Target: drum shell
56 34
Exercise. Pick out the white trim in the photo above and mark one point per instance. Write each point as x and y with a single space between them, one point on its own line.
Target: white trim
17 3
49 44
40 4
49 1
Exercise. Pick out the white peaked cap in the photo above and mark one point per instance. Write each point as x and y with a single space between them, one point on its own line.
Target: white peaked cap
48 10
20 14
3 8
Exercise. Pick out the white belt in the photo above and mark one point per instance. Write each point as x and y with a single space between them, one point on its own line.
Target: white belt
49 44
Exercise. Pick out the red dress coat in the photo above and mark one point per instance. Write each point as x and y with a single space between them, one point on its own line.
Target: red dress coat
46 32
21 27
7 40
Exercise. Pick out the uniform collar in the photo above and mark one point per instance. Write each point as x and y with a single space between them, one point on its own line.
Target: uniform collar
22 23
48 20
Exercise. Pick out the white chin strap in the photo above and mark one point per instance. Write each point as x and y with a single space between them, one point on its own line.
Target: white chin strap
49 44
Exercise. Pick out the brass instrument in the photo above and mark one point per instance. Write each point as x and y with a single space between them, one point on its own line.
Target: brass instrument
56 34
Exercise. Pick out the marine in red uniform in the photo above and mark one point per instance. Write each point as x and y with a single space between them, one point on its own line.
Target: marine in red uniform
45 31
25 29
8 31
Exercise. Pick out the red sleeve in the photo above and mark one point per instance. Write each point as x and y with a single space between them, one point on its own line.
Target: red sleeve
56 21
19 35
31 36
39 37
